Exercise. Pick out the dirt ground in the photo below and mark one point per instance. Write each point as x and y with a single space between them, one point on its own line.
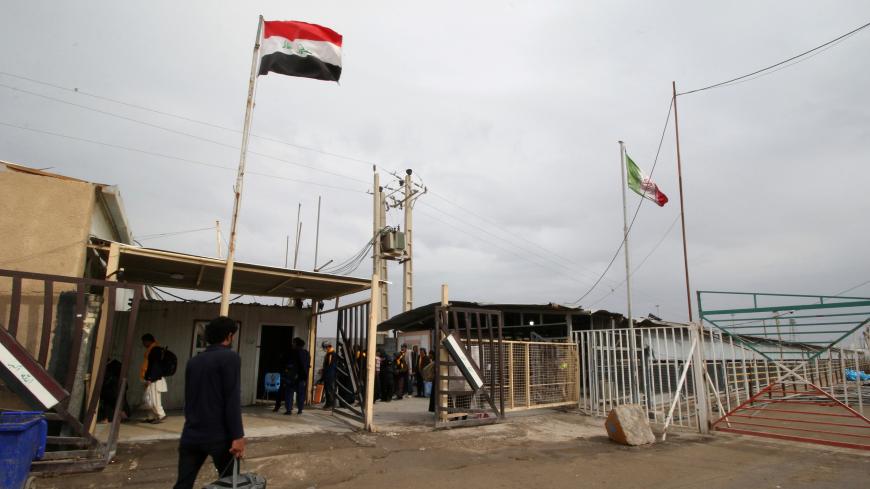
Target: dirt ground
553 450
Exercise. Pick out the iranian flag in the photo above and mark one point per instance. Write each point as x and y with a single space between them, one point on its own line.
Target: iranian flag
642 185
300 49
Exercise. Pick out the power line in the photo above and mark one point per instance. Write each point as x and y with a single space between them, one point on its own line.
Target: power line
562 268
639 204
639 265
520 237
175 158
175 131
850 289
518 255
173 233
184 118
783 62
189 119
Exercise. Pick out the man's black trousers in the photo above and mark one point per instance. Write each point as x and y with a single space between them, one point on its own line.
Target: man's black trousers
191 457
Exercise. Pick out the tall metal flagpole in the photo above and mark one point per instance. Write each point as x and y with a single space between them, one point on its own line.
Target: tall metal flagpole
240 176
682 211
632 358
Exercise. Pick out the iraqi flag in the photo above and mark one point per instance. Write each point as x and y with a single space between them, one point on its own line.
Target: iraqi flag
300 49
642 185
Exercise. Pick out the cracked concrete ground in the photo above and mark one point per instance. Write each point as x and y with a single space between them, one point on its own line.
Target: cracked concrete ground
551 449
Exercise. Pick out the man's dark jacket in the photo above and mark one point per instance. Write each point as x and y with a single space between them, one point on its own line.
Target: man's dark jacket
154 372
212 397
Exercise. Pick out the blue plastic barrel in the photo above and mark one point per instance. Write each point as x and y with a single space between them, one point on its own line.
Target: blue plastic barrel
22 440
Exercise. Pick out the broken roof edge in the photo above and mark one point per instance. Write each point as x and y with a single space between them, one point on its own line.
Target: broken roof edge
420 314
107 195
103 245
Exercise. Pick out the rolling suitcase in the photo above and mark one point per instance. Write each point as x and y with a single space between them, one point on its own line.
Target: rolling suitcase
247 480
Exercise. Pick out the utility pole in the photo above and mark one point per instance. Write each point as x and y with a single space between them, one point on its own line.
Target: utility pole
682 209
384 301
377 204
408 264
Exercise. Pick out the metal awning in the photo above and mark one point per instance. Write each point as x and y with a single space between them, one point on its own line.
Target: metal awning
162 268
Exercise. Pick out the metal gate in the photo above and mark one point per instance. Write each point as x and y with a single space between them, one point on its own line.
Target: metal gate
55 347
801 339
660 375
469 386
350 348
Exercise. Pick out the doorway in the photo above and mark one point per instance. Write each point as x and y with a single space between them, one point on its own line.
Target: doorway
274 350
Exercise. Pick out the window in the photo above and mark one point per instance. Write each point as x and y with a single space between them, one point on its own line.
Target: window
199 344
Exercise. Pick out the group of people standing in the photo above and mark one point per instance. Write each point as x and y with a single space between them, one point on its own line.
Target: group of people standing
294 379
403 374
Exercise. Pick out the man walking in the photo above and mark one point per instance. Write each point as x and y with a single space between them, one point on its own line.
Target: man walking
297 376
421 363
152 375
212 406
401 362
328 373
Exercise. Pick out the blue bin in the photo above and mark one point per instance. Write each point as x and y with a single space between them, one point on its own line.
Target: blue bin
22 440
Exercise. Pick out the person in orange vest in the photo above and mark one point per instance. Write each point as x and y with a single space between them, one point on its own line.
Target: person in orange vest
402 371
151 375
328 373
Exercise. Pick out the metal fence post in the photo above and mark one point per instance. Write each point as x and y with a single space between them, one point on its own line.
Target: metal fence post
702 405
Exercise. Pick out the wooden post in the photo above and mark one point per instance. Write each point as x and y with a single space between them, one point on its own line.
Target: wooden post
111 276
511 373
443 370
312 348
528 378
371 350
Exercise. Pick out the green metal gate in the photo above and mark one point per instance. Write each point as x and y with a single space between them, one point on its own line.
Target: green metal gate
805 337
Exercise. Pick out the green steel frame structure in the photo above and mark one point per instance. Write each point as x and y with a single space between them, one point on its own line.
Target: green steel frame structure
791 331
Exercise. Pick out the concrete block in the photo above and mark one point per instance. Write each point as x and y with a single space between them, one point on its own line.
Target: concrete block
628 425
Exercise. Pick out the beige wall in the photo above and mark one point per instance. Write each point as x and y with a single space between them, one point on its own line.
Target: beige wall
44 223
172 324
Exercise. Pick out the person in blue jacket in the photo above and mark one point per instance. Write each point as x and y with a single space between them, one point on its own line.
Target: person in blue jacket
295 376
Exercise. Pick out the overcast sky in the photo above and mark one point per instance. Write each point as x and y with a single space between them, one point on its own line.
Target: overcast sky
512 109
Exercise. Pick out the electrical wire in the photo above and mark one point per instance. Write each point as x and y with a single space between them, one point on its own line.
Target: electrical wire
565 273
515 237
639 265
350 265
170 294
177 132
850 289
184 118
189 119
639 204
775 65
173 233
175 158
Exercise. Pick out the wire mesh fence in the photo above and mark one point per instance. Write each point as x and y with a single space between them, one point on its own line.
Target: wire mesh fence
536 375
